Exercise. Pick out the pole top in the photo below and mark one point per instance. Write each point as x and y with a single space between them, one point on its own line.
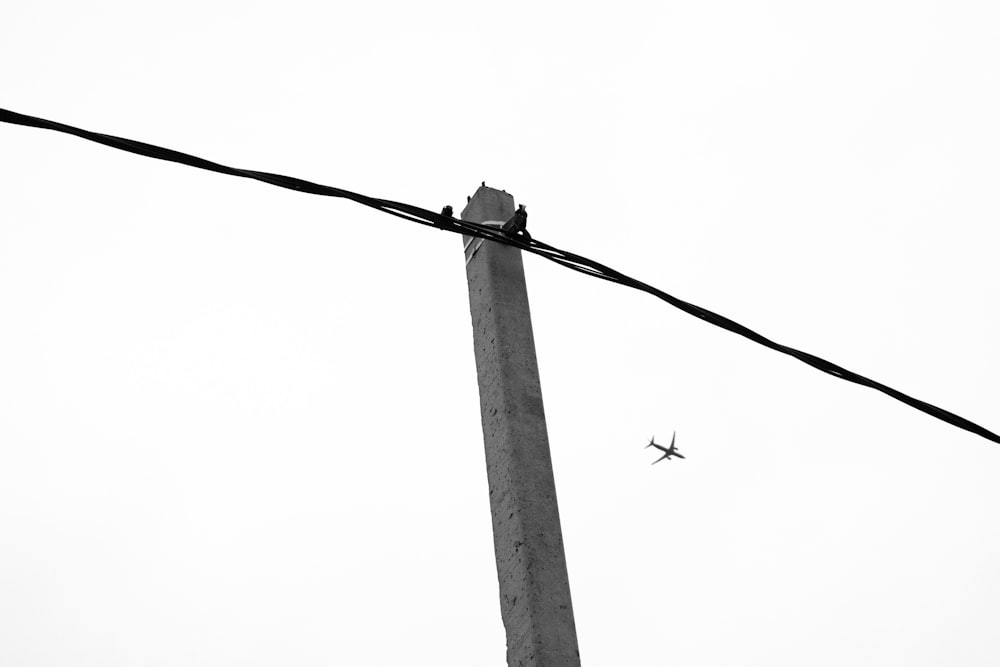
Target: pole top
489 205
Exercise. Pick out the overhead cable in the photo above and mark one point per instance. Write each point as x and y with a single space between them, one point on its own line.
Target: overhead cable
568 259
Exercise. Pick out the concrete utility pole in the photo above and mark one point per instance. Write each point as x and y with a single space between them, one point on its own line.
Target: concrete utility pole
531 565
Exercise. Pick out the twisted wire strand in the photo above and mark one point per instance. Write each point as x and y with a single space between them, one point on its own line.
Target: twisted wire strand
564 258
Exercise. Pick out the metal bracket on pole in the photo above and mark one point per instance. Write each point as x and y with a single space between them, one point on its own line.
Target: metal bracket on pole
479 241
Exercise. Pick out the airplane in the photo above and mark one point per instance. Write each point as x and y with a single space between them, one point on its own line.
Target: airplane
667 451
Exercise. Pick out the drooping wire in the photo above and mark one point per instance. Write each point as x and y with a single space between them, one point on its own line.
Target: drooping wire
567 259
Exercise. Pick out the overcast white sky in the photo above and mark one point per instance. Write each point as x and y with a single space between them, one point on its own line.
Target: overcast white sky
240 425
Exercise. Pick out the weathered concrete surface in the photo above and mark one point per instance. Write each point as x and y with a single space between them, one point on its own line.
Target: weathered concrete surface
527 538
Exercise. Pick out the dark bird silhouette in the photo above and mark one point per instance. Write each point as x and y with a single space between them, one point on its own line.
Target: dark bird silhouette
517 224
484 184
448 211
667 451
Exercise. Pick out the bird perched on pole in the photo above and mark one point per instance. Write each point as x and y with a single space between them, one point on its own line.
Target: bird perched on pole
447 212
517 224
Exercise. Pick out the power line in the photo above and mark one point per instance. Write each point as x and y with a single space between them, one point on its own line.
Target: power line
568 259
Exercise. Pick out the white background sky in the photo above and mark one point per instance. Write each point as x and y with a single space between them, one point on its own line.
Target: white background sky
240 425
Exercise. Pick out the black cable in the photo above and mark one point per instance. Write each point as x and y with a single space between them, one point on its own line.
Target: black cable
567 259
